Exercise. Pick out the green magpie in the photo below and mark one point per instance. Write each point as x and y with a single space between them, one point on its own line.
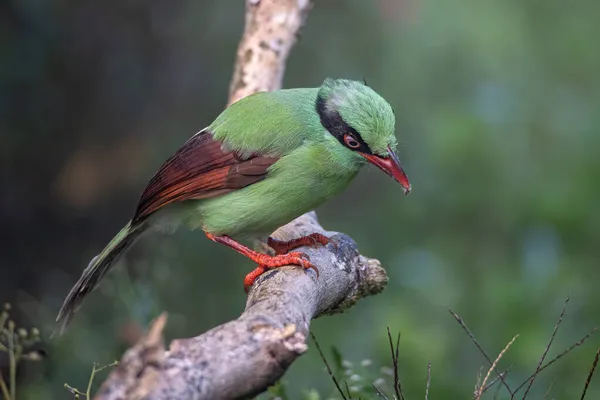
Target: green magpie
265 160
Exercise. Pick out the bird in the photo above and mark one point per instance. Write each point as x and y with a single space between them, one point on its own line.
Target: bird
265 160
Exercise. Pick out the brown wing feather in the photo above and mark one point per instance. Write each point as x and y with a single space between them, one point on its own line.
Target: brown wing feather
198 170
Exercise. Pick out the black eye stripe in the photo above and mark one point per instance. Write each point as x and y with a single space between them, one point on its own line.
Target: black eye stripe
334 123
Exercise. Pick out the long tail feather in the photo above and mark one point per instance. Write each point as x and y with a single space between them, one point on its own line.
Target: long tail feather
95 271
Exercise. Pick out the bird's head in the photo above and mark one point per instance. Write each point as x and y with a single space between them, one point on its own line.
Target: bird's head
363 122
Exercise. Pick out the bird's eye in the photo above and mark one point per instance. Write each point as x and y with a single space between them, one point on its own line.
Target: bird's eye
351 142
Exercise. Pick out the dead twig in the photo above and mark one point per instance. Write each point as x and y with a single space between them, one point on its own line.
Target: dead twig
472 337
567 351
479 391
496 379
335 382
537 369
591 374
428 381
379 392
397 384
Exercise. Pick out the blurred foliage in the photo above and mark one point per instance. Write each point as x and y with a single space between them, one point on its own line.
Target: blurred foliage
17 344
497 115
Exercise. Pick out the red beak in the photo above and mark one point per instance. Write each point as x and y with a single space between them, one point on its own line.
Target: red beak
391 166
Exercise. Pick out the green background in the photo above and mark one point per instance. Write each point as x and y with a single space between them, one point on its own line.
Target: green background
497 106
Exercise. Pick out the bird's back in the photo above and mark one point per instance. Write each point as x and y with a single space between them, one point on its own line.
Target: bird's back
269 123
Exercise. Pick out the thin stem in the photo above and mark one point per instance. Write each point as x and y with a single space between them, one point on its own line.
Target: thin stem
112 364
497 393
489 360
379 392
88 391
4 389
3 318
337 385
74 391
95 370
549 363
496 379
549 390
493 367
397 385
537 369
428 381
591 374
348 390
12 360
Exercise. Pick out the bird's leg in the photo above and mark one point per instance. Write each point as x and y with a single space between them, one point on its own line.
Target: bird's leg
282 247
264 261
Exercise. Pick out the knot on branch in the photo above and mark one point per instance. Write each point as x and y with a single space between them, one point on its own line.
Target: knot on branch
138 372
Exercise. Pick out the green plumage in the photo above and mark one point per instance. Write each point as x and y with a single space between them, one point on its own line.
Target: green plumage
313 165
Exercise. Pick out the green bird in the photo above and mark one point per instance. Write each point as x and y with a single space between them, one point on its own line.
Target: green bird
265 160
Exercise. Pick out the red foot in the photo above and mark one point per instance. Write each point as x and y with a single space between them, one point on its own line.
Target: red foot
251 277
282 247
264 261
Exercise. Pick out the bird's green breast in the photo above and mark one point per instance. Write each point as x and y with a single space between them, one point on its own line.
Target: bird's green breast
297 183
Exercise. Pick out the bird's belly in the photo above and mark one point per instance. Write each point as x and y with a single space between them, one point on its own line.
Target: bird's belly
261 208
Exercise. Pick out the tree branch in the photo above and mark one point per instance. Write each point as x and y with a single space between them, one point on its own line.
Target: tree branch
272 27
241 358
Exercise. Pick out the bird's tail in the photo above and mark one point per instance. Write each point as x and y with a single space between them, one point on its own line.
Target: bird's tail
95 271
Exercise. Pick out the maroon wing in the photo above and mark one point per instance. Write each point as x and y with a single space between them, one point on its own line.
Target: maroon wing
198 170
